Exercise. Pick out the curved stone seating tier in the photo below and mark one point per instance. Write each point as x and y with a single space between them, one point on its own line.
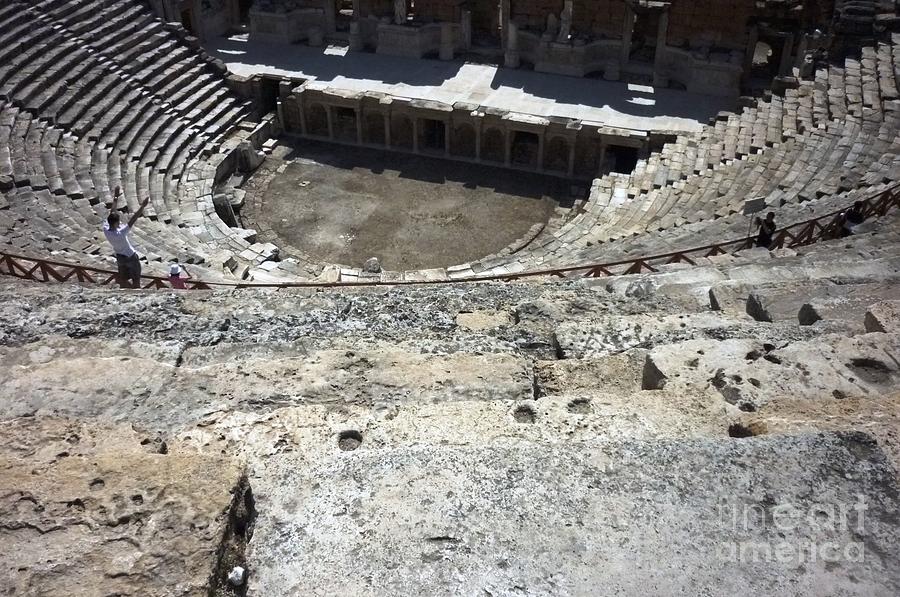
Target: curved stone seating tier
95 95
810 151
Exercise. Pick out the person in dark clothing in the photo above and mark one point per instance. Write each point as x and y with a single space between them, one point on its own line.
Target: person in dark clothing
851 218
766 230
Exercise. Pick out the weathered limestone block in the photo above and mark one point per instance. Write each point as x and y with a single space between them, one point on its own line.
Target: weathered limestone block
362 375
730 298
635 517
249 159
750 373
104 510
808 303
608 335
883 317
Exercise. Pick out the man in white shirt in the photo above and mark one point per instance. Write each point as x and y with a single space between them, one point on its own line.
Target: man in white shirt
126 257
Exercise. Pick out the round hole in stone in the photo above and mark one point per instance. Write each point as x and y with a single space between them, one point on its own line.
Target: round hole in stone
524 414
349 440
579 406
870 370
740 430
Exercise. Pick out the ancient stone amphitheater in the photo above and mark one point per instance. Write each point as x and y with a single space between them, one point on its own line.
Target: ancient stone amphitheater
626 397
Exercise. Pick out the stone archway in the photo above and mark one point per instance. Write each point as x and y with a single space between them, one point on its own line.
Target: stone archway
587 156
463 142
344 124
373 128
524 149
432 135
556 155
316 120
493 145
401 131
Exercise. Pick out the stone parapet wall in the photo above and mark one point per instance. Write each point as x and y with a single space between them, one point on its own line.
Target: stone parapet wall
598 18
414 42
700 23
288 27
439 10
712 76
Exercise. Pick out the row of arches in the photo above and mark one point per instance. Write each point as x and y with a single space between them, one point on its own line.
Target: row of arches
580 156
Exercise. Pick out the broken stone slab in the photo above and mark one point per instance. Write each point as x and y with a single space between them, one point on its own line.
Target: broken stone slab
730 298
810 302
659 516
613 334
83 521
749 373
883 317
847 304
351 376
688 286
52 348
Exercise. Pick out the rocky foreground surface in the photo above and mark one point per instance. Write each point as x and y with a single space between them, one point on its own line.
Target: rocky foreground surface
617 438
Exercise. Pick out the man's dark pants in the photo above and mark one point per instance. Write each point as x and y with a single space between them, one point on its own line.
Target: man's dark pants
129 270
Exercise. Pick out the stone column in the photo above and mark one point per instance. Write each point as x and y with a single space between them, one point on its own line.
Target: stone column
784 68
504 22
627 30
571 169
330 119
662 34
400 14
446 138
752 39
446 48
359 126
356 42
234 13
329 9
511 59
802 48
415 123
507 147
540 156
478 141
387 130
466 29
302 114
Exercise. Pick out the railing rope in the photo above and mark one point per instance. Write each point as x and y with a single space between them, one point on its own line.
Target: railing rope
823 227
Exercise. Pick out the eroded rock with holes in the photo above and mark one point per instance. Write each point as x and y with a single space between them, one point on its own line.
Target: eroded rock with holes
94 509
883 317
749 373
609 335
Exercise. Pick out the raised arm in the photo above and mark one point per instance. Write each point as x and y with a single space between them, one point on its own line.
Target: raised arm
138 213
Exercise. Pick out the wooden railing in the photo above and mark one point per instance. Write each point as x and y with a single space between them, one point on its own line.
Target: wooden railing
825 227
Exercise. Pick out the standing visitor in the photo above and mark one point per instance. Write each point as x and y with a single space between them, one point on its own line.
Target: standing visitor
766 230
127 259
